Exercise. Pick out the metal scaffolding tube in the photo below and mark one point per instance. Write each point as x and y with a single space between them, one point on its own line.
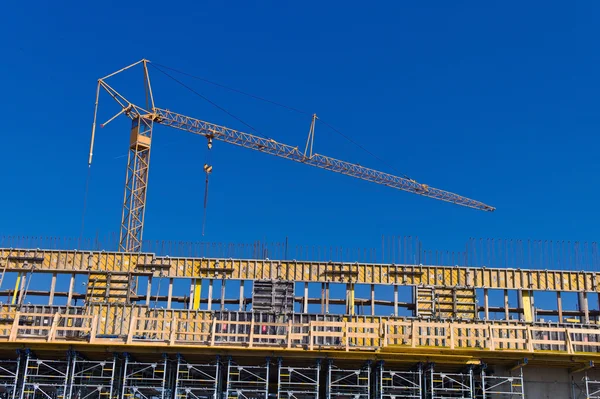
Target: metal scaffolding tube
196 381
247 382
450 385
509 387
91 379
399 384
592 388
44 379
348 383
144 380
298 382
9 375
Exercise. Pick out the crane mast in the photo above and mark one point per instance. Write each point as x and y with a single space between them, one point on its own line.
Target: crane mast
138 163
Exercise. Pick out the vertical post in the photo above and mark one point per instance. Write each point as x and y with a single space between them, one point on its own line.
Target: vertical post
170 293
24 375
241 307
112 379
16 380
71 287
148 290
305 300
506 309
372 299
217 377
395 300
322 298
125 376
583 307
559 306
267 380
197 293
164 377
52 289
486 304
210 294
16 290
23 292
350 298
72 375
483 396
327 298
223 282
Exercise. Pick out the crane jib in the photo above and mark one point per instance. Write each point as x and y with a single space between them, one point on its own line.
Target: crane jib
270 146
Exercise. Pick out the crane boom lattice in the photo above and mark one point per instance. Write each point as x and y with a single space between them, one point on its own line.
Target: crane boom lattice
144 119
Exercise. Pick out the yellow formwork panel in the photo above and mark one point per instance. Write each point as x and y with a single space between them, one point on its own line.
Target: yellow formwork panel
438 276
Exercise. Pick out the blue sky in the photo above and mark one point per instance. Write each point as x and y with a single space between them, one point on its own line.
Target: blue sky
497 102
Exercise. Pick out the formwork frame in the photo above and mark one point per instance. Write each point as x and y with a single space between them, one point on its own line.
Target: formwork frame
399 384
450 385
9 377
298 382
247 382
348 383
197 381
502 386
592 388
144 380
45 379
91 379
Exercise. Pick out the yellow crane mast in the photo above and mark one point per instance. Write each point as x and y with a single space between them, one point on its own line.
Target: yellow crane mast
144 119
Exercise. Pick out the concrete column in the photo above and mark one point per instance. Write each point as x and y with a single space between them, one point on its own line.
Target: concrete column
506 311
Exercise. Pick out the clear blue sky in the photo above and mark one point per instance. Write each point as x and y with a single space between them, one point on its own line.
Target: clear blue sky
498 102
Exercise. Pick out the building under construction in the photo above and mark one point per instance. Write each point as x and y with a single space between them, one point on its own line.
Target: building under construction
119 325
90 324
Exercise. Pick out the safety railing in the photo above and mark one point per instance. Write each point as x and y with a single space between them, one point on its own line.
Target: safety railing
205 329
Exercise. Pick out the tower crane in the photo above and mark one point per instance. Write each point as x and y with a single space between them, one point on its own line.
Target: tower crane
144 118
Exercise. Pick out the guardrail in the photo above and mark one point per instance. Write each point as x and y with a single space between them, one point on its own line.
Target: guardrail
367 336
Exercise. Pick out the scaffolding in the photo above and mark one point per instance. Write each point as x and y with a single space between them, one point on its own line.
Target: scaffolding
348 383
144 380
247 382
44 379
592 388
450 385
399 384
91 379
502 387
9 375
196 381
298 382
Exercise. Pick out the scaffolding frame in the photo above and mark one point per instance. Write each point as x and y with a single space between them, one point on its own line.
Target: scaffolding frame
450 385
298 382
247 382
144 380
399 384
9 377
505 387
348 383
197 381
592 388
45 379
91 379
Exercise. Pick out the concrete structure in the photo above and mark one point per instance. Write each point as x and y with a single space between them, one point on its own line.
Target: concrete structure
87 324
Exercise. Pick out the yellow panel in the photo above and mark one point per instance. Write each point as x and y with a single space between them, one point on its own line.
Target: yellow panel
197 293
527 308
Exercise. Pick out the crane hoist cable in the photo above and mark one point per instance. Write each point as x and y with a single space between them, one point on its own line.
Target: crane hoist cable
207 170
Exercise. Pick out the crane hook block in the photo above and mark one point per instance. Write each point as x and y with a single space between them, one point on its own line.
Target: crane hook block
208 168
210 143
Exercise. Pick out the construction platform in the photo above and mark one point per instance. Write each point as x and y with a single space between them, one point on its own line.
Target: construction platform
95 324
